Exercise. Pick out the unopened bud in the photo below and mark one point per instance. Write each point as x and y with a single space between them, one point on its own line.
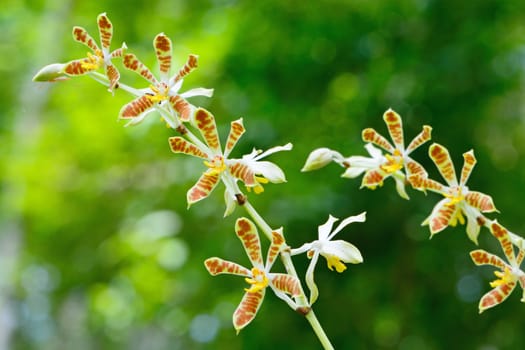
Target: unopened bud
318 159
51 73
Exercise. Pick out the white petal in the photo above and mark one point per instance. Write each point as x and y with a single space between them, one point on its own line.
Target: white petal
345 251
310 281
353 172
197 92
375 152
362 162
324 229
356 218
400 187
269 170
230 203
275 149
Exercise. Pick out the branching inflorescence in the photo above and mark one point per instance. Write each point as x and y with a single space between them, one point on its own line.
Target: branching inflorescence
199 137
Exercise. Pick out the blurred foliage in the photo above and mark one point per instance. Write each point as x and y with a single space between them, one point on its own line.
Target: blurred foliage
98 249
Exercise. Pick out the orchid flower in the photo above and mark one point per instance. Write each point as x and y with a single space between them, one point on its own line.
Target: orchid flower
379 166
164 90
336 253
259 276
101 57
459 200
510 273
253 172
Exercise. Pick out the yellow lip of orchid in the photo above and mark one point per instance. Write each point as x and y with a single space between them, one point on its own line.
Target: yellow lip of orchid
258 282
216 166
503 277
93 62
394 162
158 95
334 261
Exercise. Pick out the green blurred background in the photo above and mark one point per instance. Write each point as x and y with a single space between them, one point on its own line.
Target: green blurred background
98 250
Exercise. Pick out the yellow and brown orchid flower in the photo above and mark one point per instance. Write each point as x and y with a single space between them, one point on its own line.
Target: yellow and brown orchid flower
459 200
164 90
249 169
396 163
100 56
509 274
259 276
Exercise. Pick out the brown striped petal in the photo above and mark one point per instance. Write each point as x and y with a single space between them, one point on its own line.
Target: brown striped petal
182 107
468 164
480 201
441 216
236 131
502 235
423 183
395 128
113 75
247 309
414 168
77 67
286 283
202 188
420 139
217 266
372 136
496 296
181 145
206 125
243 172
136 108
481 257
132 63
105 30
82 36
276 246
441 158
247 233
162 45
372 179
188 67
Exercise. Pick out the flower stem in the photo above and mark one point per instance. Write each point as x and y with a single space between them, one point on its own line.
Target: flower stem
286 258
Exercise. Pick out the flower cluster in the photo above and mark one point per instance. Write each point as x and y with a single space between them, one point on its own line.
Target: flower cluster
459 201
199 137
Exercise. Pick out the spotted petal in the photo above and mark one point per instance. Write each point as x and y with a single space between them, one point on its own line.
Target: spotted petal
113 75
496 296
243 172
423 183
441 216
137 109
414 168
247 309
276 246
189 66
202 188
286 283
77 67
469 161
372 136
420 139
105 30
182 107
503 237
82 36
236 131
180 145
373 178
217 266
206 125
132 63
480 201
395 128
441 158
247 233
162 45
481 257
